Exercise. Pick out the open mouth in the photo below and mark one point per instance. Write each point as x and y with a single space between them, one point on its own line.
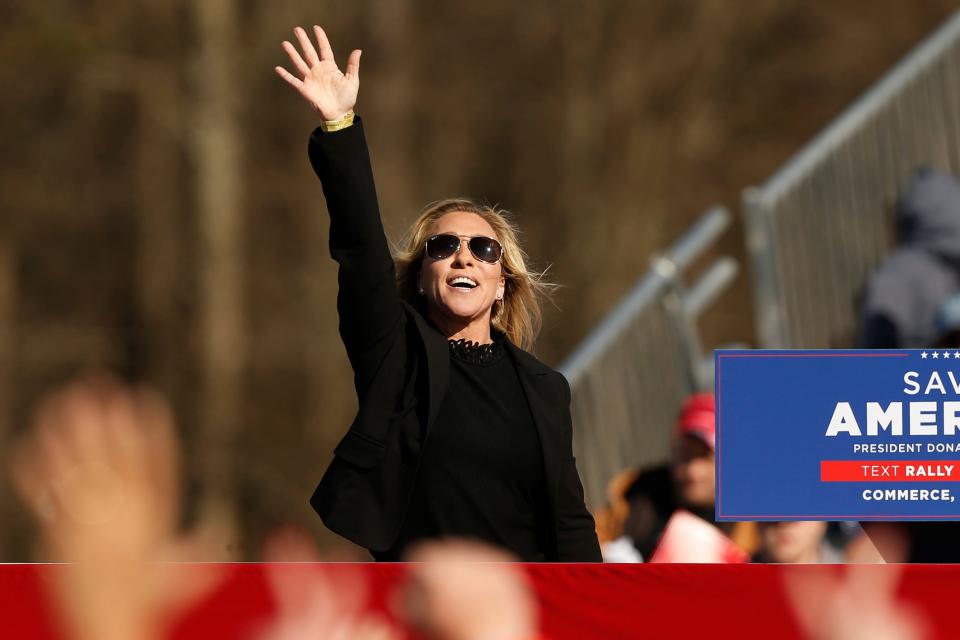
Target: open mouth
462 282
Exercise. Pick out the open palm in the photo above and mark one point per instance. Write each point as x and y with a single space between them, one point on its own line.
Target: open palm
329 91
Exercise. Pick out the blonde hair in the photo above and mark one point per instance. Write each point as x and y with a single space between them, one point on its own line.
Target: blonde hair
518 314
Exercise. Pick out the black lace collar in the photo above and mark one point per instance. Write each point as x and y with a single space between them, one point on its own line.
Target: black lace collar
476 353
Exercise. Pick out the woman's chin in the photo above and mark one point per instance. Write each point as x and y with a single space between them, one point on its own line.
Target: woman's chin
464 312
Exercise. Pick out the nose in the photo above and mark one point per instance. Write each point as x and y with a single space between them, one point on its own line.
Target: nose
463 257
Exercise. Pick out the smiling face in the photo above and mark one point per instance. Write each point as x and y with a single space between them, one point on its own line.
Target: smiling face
460 289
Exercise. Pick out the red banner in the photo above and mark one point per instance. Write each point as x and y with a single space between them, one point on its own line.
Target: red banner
576 601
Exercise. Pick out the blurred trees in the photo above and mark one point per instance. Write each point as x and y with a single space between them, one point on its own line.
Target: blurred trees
159 216
217 144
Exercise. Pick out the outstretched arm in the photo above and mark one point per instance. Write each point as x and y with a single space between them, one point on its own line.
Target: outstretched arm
368 301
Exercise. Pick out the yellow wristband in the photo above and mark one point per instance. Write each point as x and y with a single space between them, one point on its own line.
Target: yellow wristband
341 123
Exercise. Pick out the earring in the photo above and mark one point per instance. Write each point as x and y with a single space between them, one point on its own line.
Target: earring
499 295
420 291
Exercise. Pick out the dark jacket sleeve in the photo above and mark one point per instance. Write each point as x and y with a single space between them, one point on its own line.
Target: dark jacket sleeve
367 301
576 530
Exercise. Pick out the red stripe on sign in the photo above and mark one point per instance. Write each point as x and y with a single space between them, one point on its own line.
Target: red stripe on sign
890 470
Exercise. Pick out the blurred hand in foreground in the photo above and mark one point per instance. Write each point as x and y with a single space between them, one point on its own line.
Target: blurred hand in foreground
99 471
462 590
328 91
310 603
860 603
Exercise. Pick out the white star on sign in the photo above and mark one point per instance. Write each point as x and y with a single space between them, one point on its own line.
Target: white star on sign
956 354
923 356
946 355
936 354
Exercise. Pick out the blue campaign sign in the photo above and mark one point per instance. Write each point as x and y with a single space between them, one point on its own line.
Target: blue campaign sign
838 435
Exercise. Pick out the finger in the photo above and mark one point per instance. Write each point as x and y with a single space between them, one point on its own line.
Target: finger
295 58
809 590
303 591
163 463
872 584
291 79
125 441
326 52
353 64
81 417
290 544
54 454
412 607
375 627
308 51
344 629
183 584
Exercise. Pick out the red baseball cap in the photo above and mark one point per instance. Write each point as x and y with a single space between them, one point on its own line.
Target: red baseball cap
698 418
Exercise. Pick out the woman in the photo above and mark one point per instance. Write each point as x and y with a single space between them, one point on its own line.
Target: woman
460 432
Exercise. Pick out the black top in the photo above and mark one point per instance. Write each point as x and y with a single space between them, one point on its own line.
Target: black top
481 473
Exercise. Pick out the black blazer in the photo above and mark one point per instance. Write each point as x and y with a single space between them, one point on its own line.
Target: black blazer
401 371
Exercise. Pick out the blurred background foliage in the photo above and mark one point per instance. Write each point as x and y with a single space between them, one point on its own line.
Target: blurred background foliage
160 218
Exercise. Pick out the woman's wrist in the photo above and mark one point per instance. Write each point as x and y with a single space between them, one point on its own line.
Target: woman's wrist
336 124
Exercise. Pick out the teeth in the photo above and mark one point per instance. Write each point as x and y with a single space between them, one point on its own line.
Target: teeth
463 280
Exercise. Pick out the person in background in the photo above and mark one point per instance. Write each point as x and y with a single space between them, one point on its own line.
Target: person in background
795 542
694 456
686 484
904 294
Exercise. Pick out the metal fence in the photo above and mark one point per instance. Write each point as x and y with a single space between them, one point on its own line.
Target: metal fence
633 371
818 226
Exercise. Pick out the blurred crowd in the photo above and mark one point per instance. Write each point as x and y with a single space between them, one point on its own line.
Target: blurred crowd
99 472
665 513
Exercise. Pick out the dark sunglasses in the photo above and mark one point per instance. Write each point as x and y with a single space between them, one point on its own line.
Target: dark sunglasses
483 248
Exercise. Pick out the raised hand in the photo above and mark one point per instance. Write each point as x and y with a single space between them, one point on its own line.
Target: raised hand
460 589
330 92
316 601
99 470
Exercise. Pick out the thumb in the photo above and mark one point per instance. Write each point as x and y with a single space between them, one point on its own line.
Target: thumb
353 64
